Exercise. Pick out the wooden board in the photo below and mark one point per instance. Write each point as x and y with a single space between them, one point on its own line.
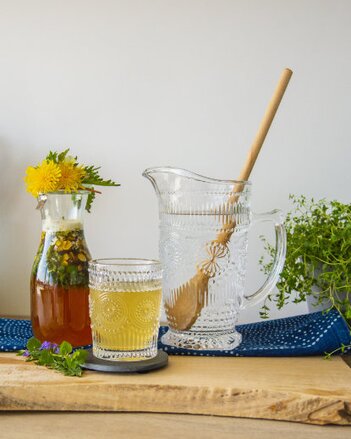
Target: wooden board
309 390
68 425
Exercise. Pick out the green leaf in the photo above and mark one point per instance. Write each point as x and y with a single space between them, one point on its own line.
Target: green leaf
65 348
90 199
80 356
33 344
52 156
61 157
57 157
92 177
45 358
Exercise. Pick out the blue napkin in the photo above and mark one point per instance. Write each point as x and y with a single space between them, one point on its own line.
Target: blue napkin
309 334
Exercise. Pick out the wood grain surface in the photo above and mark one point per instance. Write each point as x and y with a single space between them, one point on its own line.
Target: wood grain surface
27 425
308 390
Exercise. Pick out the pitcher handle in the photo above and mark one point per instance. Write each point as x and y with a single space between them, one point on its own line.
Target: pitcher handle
277 217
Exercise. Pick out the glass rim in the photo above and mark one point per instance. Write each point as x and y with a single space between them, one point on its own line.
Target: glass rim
62 192
125 262
195 176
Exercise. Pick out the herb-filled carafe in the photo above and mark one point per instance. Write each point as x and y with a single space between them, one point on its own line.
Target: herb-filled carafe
59 278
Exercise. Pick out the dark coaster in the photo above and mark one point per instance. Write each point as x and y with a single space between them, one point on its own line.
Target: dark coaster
93 363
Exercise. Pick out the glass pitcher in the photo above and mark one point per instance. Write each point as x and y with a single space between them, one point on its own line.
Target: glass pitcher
59 279
204 224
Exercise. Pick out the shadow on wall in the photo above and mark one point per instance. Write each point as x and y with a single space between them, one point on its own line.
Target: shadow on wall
17 228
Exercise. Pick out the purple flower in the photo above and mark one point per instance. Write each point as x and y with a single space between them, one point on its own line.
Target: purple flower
26 353
48 345
45 345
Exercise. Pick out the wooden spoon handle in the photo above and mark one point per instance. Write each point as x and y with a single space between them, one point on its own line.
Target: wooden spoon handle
264 126
191 296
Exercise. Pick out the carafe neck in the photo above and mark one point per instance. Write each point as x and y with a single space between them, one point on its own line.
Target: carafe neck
62 211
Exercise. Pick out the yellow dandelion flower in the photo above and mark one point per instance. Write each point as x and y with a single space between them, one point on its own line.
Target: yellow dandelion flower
43 178
65 259
67 245
82 257
71 176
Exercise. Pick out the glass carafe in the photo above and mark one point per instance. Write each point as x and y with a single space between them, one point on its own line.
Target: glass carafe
59 278
204 226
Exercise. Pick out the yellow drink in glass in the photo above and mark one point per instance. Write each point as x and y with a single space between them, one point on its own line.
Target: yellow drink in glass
125 309
124 320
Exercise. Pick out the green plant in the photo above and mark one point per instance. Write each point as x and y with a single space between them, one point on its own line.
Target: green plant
57 357
318 260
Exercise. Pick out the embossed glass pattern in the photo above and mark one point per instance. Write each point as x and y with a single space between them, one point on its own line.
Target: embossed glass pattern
124 302
204 226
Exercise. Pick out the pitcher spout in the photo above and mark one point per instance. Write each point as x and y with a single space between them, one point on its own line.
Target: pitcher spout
182 191
167 178
154 175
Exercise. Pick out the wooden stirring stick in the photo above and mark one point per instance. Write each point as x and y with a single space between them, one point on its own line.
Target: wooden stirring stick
190 298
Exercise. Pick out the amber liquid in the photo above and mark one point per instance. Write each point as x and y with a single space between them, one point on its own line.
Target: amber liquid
60 313
59 288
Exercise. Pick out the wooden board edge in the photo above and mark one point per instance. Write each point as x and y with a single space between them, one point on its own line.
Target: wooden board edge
241 403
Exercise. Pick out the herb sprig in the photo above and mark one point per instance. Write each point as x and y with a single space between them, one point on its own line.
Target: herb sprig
58 357
318 260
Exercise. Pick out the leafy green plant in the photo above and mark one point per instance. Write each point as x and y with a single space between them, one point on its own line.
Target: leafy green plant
318 260
58 357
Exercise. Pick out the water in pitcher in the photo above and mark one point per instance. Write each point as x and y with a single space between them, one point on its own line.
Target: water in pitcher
184 249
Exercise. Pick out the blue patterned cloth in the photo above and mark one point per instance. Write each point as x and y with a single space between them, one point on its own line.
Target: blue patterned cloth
310 334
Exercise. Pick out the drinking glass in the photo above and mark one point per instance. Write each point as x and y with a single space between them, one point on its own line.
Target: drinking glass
124 303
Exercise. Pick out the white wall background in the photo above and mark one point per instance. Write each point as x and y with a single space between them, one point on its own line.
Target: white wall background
129 84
